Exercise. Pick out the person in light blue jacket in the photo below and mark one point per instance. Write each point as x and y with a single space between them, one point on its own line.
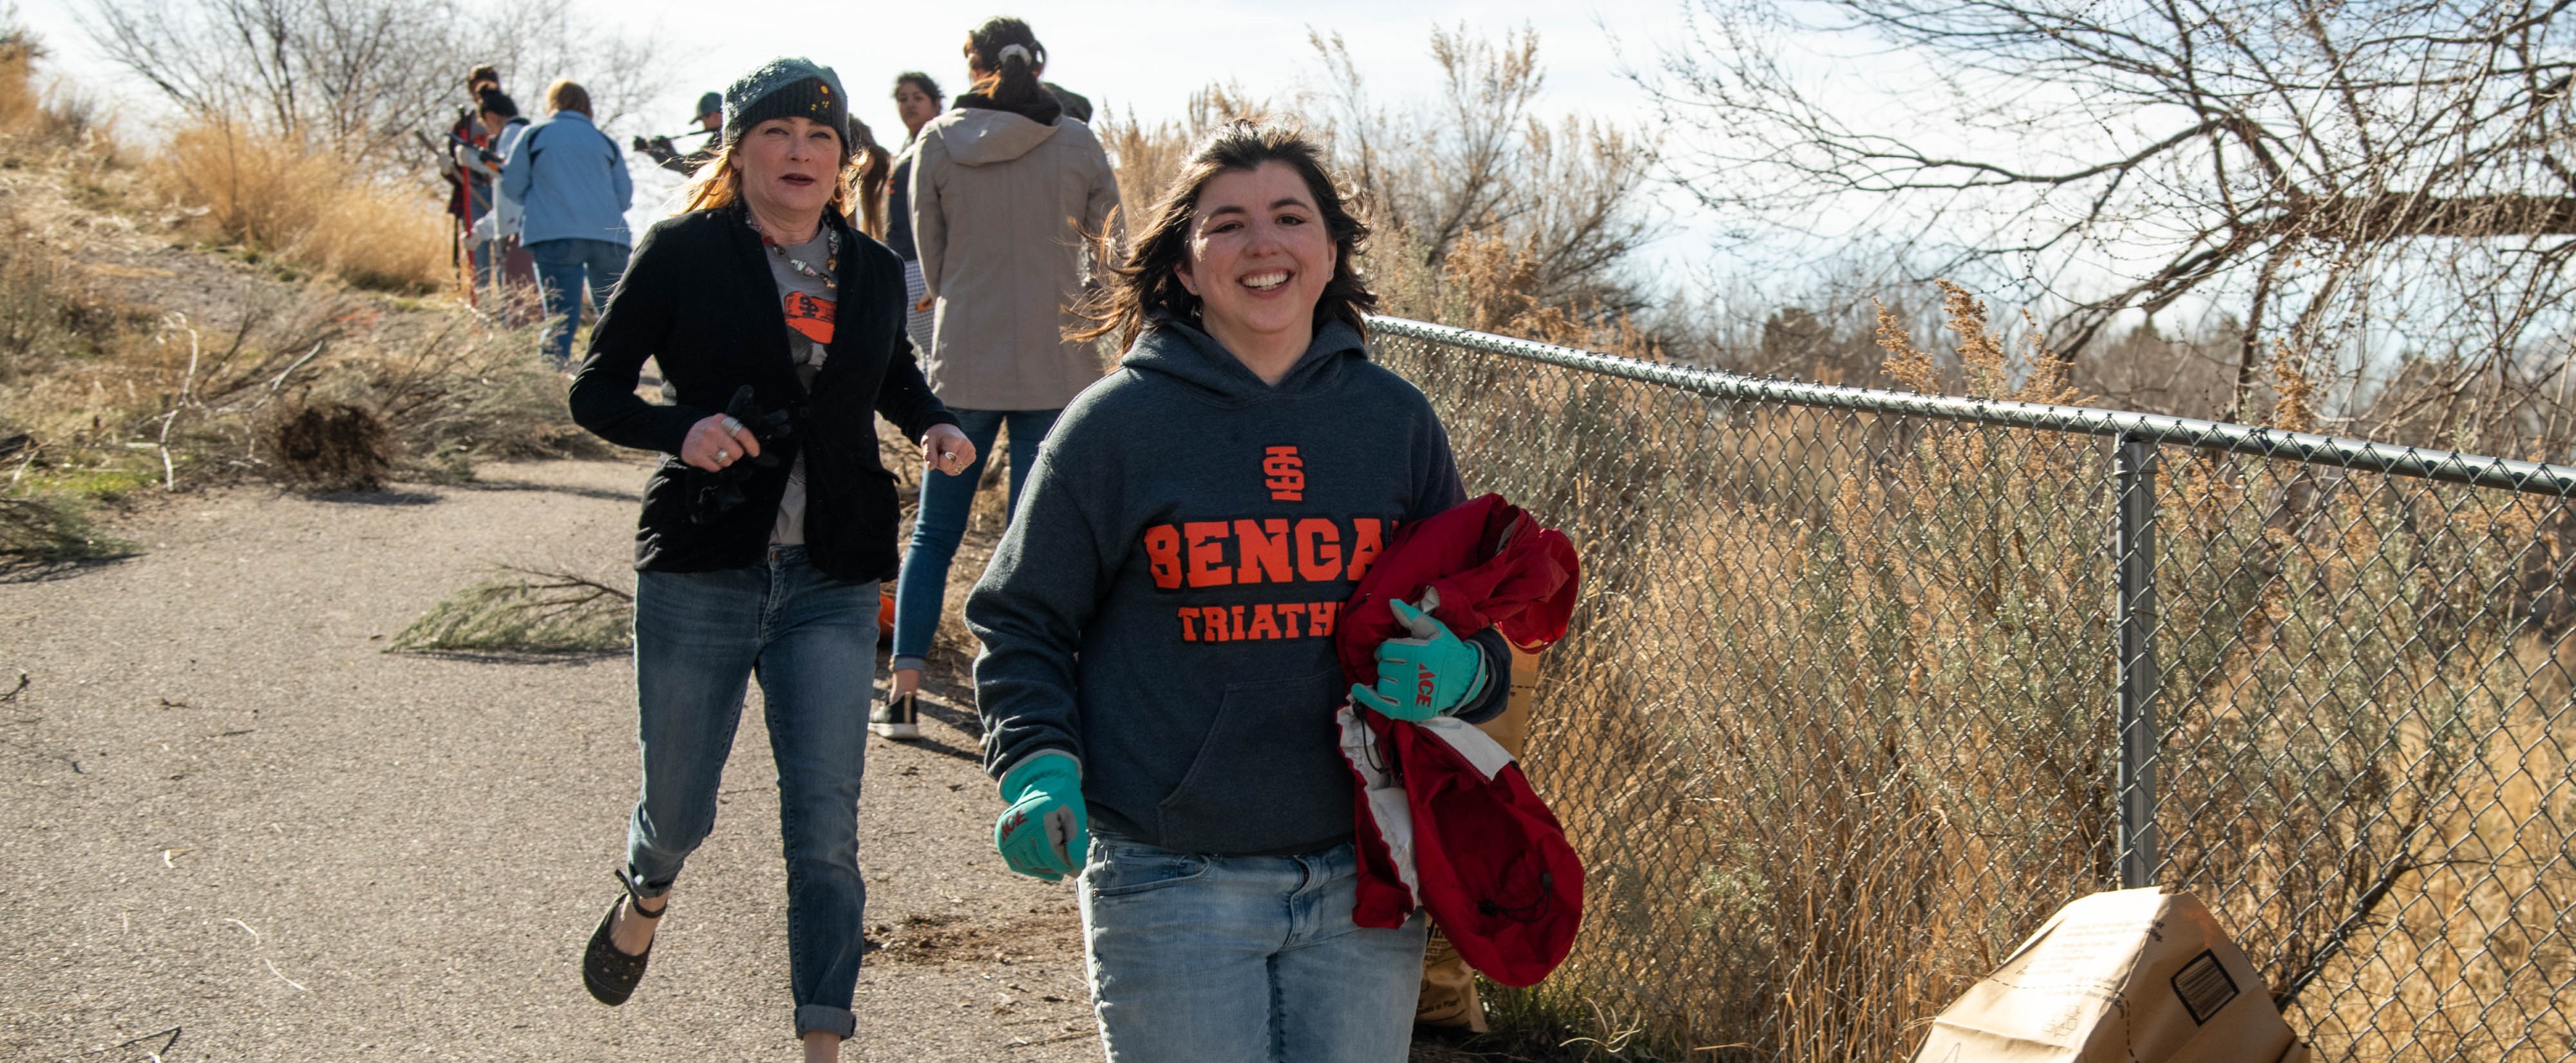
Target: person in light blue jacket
571 185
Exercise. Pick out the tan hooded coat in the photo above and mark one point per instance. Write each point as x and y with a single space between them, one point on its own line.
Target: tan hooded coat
1000 204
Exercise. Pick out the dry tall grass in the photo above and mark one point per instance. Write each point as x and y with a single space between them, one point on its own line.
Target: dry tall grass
101 398
1148 157
1834 729
276 195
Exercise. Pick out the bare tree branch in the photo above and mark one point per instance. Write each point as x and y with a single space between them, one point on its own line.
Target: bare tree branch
2308 166
356 77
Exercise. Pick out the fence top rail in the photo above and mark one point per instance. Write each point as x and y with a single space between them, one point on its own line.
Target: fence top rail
2308 447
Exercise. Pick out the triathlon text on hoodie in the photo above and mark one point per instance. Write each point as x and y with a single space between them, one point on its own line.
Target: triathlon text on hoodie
1254 551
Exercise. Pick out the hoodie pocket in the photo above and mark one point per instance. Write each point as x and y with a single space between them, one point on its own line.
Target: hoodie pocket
1269 773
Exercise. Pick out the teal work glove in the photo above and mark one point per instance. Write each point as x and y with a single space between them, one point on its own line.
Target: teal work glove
1418 678
1045 833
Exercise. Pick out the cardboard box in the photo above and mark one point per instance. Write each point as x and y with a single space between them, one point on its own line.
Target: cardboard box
2132 976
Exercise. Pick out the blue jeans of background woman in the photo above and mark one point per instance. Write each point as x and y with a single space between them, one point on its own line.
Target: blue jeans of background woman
1243 959
921 592
564 268
699 638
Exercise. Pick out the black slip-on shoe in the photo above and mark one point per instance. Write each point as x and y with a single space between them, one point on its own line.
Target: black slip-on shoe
608 973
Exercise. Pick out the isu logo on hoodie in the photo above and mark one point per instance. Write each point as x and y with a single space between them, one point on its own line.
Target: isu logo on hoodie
1284 473
1201 555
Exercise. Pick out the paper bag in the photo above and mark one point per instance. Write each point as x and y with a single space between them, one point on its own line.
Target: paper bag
2132 976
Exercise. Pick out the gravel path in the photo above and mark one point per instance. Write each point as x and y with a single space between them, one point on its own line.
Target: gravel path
225 813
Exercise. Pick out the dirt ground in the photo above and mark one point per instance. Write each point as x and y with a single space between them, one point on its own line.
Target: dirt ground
233 828
225 814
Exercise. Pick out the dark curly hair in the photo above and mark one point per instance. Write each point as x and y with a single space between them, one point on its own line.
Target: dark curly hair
920 81
1150 283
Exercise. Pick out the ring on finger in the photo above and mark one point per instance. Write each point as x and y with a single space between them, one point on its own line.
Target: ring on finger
721 455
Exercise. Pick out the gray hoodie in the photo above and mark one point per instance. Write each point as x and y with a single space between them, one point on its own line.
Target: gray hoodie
999 207
1162 605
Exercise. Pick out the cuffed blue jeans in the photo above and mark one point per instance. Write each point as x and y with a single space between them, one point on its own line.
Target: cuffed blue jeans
921 591
699 638
564 268
1243 959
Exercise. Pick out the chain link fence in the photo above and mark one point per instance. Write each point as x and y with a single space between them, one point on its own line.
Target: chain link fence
1865 684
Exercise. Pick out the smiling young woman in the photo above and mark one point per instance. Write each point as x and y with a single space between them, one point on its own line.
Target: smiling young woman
771 520
1158 679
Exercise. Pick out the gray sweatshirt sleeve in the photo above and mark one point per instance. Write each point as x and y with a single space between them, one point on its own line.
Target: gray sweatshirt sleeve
1436 487
1045 582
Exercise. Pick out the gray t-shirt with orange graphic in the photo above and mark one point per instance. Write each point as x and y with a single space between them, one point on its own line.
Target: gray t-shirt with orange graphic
810 306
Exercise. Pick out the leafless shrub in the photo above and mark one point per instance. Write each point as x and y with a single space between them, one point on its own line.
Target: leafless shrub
458 393
1477 162
354 79
1148 157
2381 186
1486 216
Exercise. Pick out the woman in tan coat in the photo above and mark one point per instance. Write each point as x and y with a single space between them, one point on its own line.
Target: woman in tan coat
1007 192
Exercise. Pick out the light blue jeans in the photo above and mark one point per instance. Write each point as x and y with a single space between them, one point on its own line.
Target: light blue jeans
564 268
1243 959
921 591
812 639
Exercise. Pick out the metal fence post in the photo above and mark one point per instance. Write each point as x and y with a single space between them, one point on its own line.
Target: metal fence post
2133 548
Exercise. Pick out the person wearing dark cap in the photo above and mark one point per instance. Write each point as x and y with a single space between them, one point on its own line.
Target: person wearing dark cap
771 520
710 120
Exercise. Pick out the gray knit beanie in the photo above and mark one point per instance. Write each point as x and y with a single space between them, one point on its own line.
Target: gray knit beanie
787 88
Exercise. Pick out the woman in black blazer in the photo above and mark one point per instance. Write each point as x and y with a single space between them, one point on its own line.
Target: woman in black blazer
770 521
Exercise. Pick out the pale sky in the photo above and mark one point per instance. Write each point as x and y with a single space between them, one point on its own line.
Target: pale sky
1146 55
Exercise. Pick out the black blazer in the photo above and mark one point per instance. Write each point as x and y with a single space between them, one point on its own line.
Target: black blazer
698 297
